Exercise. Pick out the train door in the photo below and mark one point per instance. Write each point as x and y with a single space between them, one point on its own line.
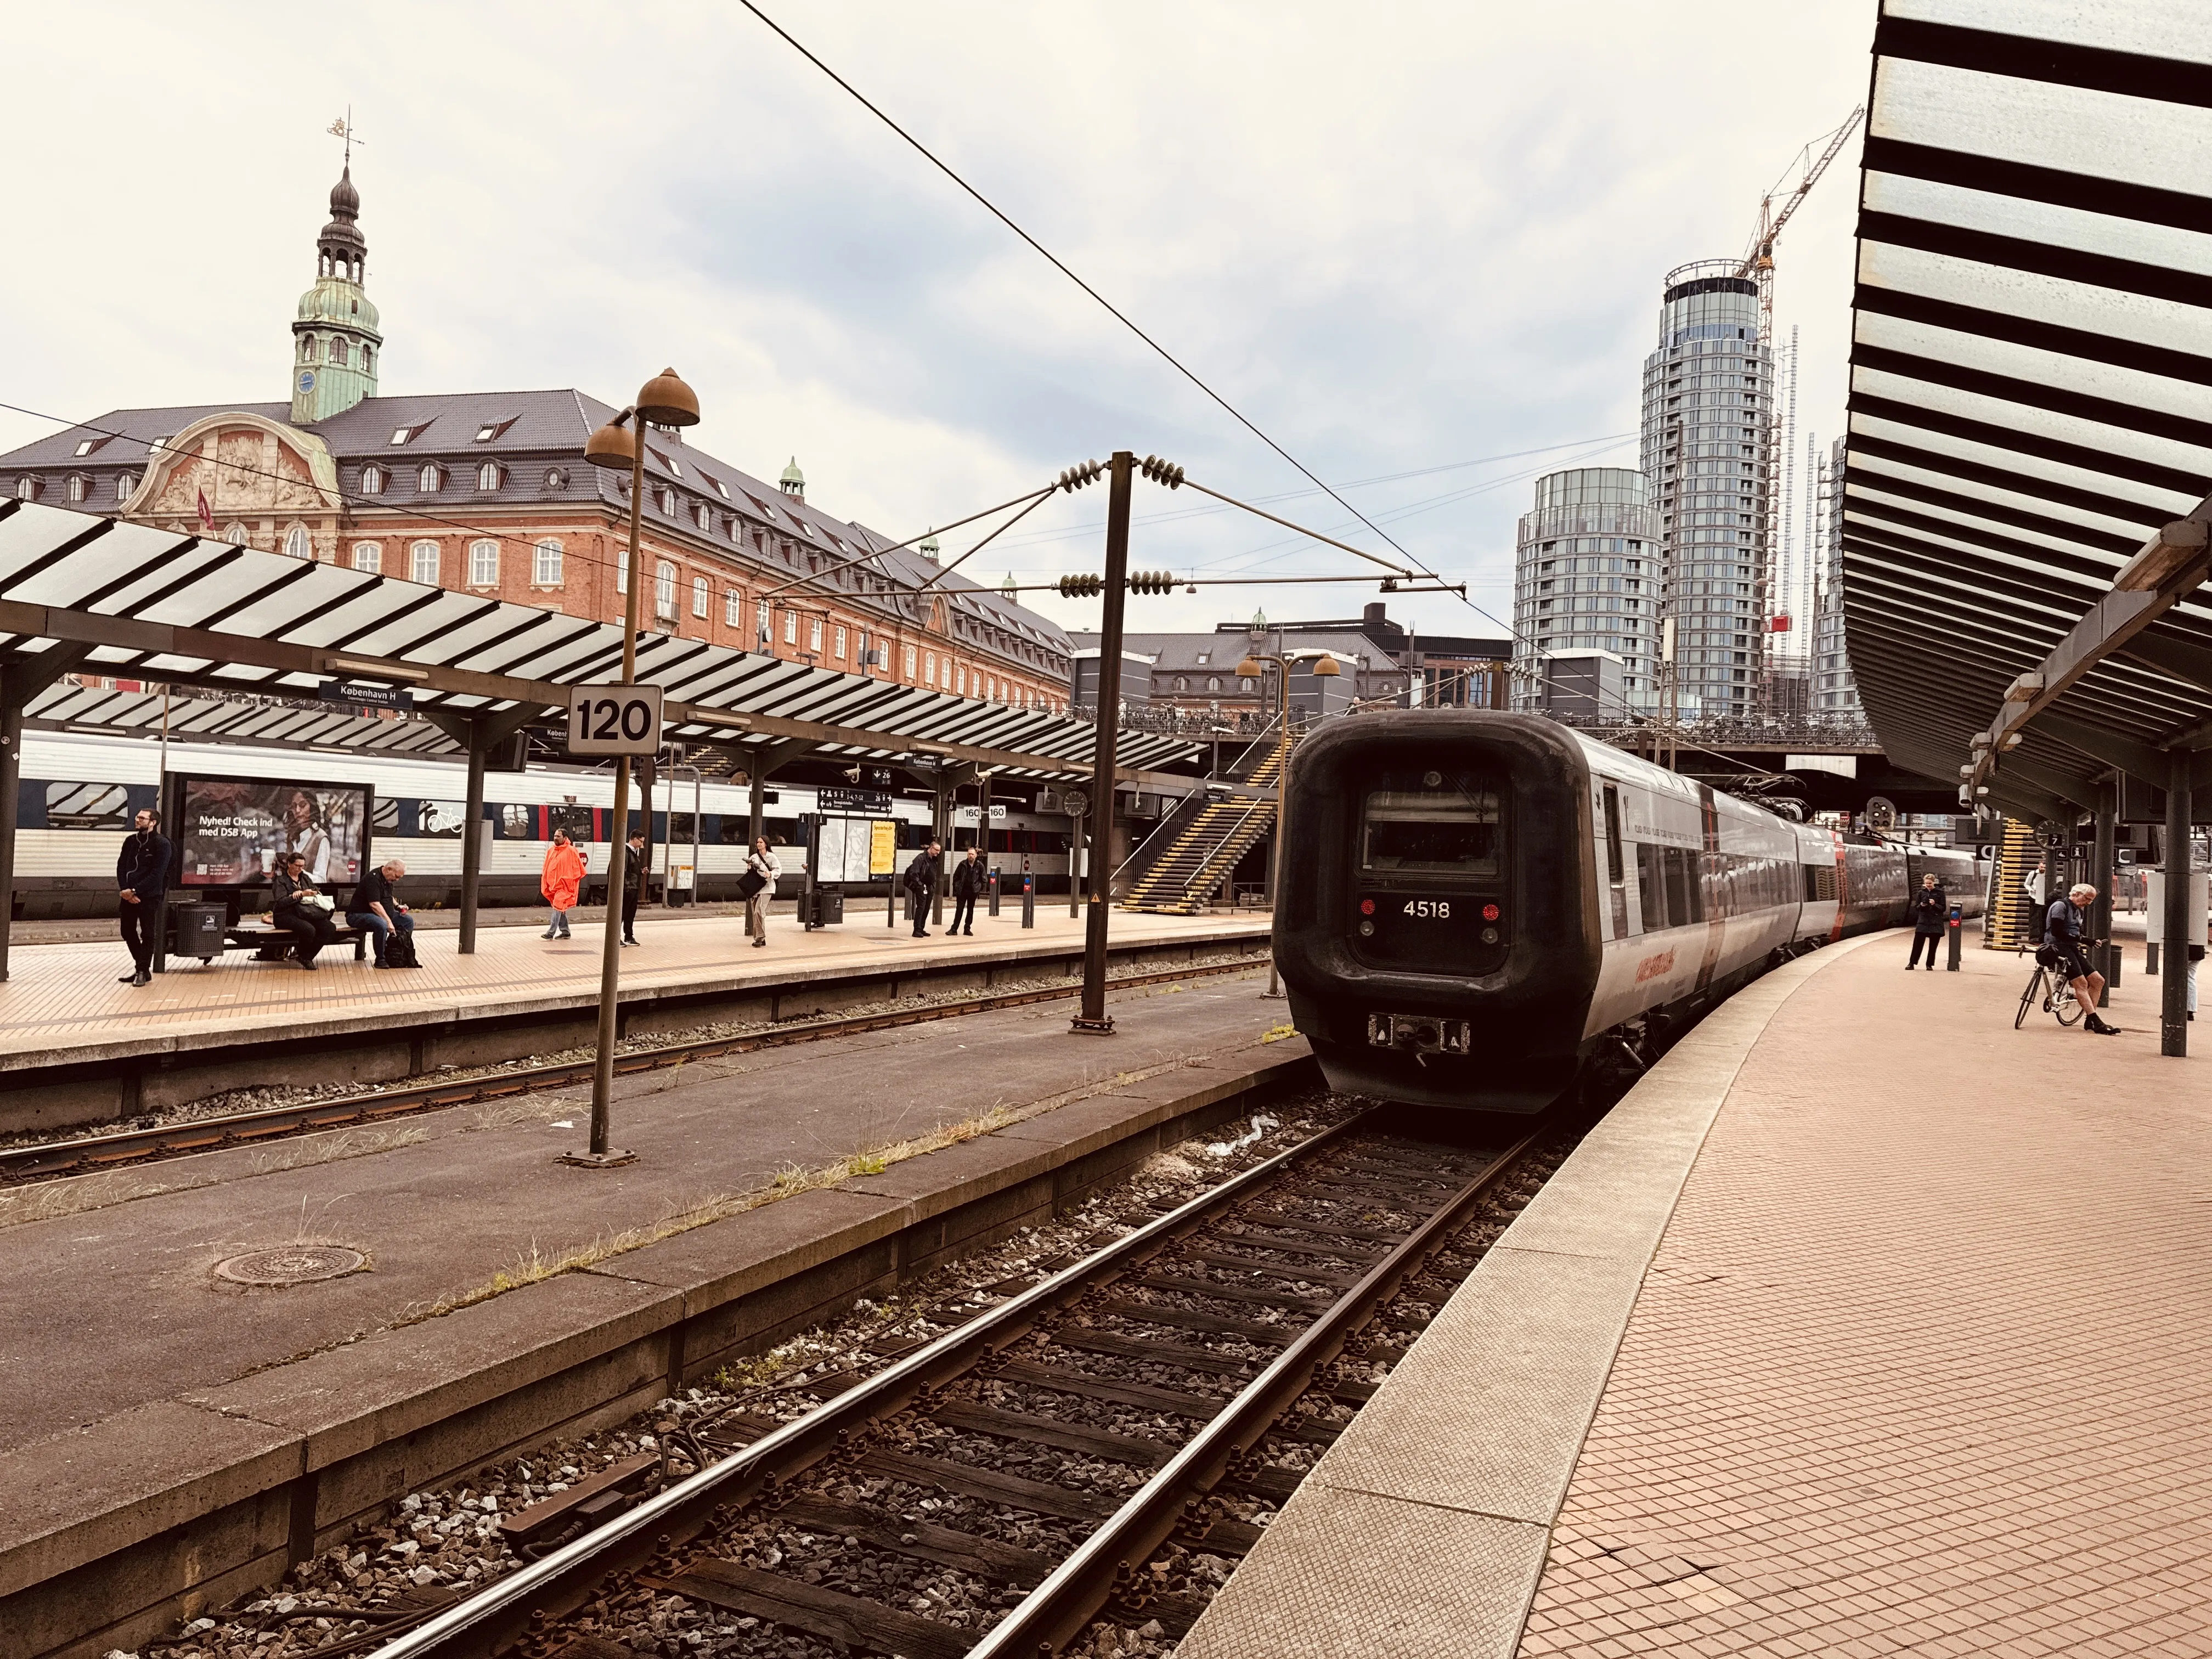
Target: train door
1616 873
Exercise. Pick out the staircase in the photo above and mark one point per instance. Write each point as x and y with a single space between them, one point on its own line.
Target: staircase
1193 851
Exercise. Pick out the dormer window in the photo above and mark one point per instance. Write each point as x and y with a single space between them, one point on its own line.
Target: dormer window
373 480
491 475
720 489
79 486
666 499
124 484
27 488
492 429
705 515
85 447
430 479
557 479
668 465
408 434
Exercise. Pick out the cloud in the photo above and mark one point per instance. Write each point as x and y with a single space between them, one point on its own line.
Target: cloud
1396 236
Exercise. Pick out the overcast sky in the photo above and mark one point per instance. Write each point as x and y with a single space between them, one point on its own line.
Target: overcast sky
1403 240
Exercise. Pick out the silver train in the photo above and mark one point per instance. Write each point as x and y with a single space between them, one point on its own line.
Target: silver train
80 789
1476 908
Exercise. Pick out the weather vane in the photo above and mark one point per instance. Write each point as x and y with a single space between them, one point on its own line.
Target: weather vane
342 128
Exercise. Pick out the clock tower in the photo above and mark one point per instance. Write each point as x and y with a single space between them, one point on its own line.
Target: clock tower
335 341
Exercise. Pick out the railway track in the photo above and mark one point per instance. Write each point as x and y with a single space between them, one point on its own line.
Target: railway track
53 1160
996 1490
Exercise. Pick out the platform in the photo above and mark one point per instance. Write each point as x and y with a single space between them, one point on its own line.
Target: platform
76 1047
1917 1363
166 1437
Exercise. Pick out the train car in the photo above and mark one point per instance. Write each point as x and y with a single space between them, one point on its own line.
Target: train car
78 790
1475 906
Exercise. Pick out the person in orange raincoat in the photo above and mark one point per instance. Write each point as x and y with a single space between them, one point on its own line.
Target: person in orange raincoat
562 876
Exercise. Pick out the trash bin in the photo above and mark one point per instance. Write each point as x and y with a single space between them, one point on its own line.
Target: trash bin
829 907
198 929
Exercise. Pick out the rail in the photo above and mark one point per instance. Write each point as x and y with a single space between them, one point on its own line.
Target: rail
657 1543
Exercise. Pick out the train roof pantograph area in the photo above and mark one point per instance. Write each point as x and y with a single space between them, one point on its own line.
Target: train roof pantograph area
130 601
2030 396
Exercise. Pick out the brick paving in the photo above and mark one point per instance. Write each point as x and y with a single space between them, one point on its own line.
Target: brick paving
1921 1366
60 995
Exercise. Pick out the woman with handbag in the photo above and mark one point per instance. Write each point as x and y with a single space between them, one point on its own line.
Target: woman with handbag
296 907
757 887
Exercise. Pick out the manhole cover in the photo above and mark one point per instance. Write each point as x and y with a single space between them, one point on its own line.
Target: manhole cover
291 1264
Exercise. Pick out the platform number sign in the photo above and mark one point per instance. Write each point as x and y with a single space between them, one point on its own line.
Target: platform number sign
614 720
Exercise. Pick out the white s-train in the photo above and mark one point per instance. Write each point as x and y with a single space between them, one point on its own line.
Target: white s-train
1475 906
80 789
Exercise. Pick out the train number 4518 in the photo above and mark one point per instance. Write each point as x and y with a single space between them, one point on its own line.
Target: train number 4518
1436 909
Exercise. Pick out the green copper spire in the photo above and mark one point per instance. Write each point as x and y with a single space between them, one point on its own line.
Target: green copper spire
335 341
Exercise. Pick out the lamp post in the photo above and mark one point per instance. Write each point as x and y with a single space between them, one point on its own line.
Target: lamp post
1254 666
666 401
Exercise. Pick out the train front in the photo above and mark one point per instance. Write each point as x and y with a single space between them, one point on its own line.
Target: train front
1432 924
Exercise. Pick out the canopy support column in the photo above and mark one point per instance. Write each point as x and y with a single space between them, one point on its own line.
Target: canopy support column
479 734
23 678
2182 929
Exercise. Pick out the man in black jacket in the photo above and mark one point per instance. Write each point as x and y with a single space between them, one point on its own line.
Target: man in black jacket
633 884
142 873
968 879
1931 914
922 885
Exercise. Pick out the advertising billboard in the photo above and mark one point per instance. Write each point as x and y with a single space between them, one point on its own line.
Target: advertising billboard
231 831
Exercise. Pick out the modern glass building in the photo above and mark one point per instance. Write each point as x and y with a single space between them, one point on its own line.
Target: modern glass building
1835 692
1708 398
1586 578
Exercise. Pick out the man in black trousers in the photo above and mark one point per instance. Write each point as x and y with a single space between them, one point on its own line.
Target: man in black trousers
921 886
142 873
633 884
969 878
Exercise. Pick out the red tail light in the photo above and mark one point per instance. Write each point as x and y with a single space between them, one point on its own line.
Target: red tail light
1490 913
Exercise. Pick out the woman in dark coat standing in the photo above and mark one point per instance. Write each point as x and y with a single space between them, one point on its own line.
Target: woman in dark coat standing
1931 914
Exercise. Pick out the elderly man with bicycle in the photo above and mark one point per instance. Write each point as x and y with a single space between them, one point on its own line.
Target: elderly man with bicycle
2064 951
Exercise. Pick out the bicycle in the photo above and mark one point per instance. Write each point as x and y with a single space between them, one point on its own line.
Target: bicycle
2054 996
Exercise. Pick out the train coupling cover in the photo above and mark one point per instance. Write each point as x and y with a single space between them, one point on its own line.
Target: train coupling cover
1421 1034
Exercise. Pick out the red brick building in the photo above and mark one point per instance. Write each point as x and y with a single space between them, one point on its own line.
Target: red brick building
488 492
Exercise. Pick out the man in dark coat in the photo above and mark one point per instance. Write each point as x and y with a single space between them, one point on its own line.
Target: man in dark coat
969 878
142 873
633 884
1931 914
922 885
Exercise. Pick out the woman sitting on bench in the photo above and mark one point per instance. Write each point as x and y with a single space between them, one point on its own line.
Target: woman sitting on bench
297 908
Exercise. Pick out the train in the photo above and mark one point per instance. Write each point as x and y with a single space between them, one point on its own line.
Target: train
1485 910
79 790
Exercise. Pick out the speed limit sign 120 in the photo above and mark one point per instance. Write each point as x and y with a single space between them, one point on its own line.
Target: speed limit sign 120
614 720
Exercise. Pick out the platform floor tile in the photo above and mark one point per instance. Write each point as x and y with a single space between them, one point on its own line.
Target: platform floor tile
1923 1364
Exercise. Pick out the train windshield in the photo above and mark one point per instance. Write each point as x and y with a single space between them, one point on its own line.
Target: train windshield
1447 828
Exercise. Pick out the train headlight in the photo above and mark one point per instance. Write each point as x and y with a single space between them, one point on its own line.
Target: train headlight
1489 936
1367 930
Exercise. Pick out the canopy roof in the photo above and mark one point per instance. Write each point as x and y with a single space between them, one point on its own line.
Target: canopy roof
2030 395
153 605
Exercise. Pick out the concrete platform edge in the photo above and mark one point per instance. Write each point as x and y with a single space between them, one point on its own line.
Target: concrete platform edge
111 1532
1426 1528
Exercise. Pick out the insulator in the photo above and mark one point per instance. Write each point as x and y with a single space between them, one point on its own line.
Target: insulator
1152 581
1163 472
1081 587
1075 477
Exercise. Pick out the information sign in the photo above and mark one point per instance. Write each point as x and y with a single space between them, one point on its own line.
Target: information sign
614 720
836 798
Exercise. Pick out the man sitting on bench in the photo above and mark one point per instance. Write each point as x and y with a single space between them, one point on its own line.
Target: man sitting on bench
376 908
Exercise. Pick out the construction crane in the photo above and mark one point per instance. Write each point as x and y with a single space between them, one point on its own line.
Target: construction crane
1775 208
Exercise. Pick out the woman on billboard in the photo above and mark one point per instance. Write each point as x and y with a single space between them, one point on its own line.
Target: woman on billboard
303 831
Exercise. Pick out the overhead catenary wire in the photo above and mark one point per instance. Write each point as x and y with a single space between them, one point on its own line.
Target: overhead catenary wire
1042 497
813 577
1061 265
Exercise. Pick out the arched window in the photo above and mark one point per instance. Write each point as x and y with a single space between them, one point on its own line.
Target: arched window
368 556
910 653
431 479
1212 683
306 348
841 641
297 545
490 474
1244 686
422 563
733 609
545 564
79 486
124 484
27 488
791 629
373 480
814 636
664 589
338 349
666 500
704 515
368 360
237 534
483 563
1182 684
929 668
699 596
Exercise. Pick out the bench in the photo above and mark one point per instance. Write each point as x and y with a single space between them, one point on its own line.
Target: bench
270 944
